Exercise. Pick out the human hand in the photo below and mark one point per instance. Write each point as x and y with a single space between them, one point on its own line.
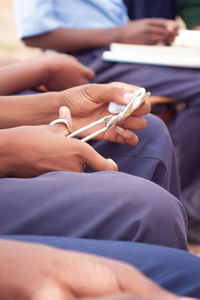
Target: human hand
149 32
63 71
34 150
37 272
90 102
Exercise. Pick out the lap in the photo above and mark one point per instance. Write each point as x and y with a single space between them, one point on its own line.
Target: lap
103 205
180 83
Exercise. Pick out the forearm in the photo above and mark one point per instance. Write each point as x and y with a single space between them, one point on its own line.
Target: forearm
28 110
71 40
4 160
24 75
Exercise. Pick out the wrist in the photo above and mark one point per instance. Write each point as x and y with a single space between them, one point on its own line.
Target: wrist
5 158
45 108
119 34
48 61
44 63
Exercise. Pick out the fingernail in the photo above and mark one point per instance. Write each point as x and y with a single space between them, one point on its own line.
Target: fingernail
119 129
62 112
114 165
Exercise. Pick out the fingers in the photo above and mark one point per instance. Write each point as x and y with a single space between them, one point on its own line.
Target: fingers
63 128
126 137
89 74
120 92
134 123
159 22
161 30
143 110
172 26
111 92
86 75
95 160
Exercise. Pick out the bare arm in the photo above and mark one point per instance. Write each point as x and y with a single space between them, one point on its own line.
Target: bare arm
53 70
28 151
28 110
145 31
71 40
20 76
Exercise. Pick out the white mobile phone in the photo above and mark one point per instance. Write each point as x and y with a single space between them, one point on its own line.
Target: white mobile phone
136 100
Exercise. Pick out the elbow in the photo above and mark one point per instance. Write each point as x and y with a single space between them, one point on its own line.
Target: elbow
30 42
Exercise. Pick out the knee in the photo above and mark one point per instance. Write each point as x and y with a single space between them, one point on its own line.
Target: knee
157 140
163 219
141 211
156 128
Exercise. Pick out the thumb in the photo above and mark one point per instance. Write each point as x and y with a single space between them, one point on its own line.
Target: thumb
89 74
63 124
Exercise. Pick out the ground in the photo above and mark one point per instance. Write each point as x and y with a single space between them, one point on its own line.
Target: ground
11 46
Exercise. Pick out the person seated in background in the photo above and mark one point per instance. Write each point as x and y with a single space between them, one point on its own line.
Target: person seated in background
189 11
86 28
45 188
64 268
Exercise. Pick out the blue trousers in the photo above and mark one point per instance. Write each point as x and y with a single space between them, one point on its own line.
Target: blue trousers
176 270
104 205
182 85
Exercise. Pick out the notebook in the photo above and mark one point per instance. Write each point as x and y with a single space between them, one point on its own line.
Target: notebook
187 38
170 56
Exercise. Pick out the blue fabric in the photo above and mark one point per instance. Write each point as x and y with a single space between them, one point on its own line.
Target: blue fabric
182 85
140 9
176 270
135 208
106 205
37 16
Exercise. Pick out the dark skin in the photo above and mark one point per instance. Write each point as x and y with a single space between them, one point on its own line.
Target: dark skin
145 31
37 272
28 151
55 72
